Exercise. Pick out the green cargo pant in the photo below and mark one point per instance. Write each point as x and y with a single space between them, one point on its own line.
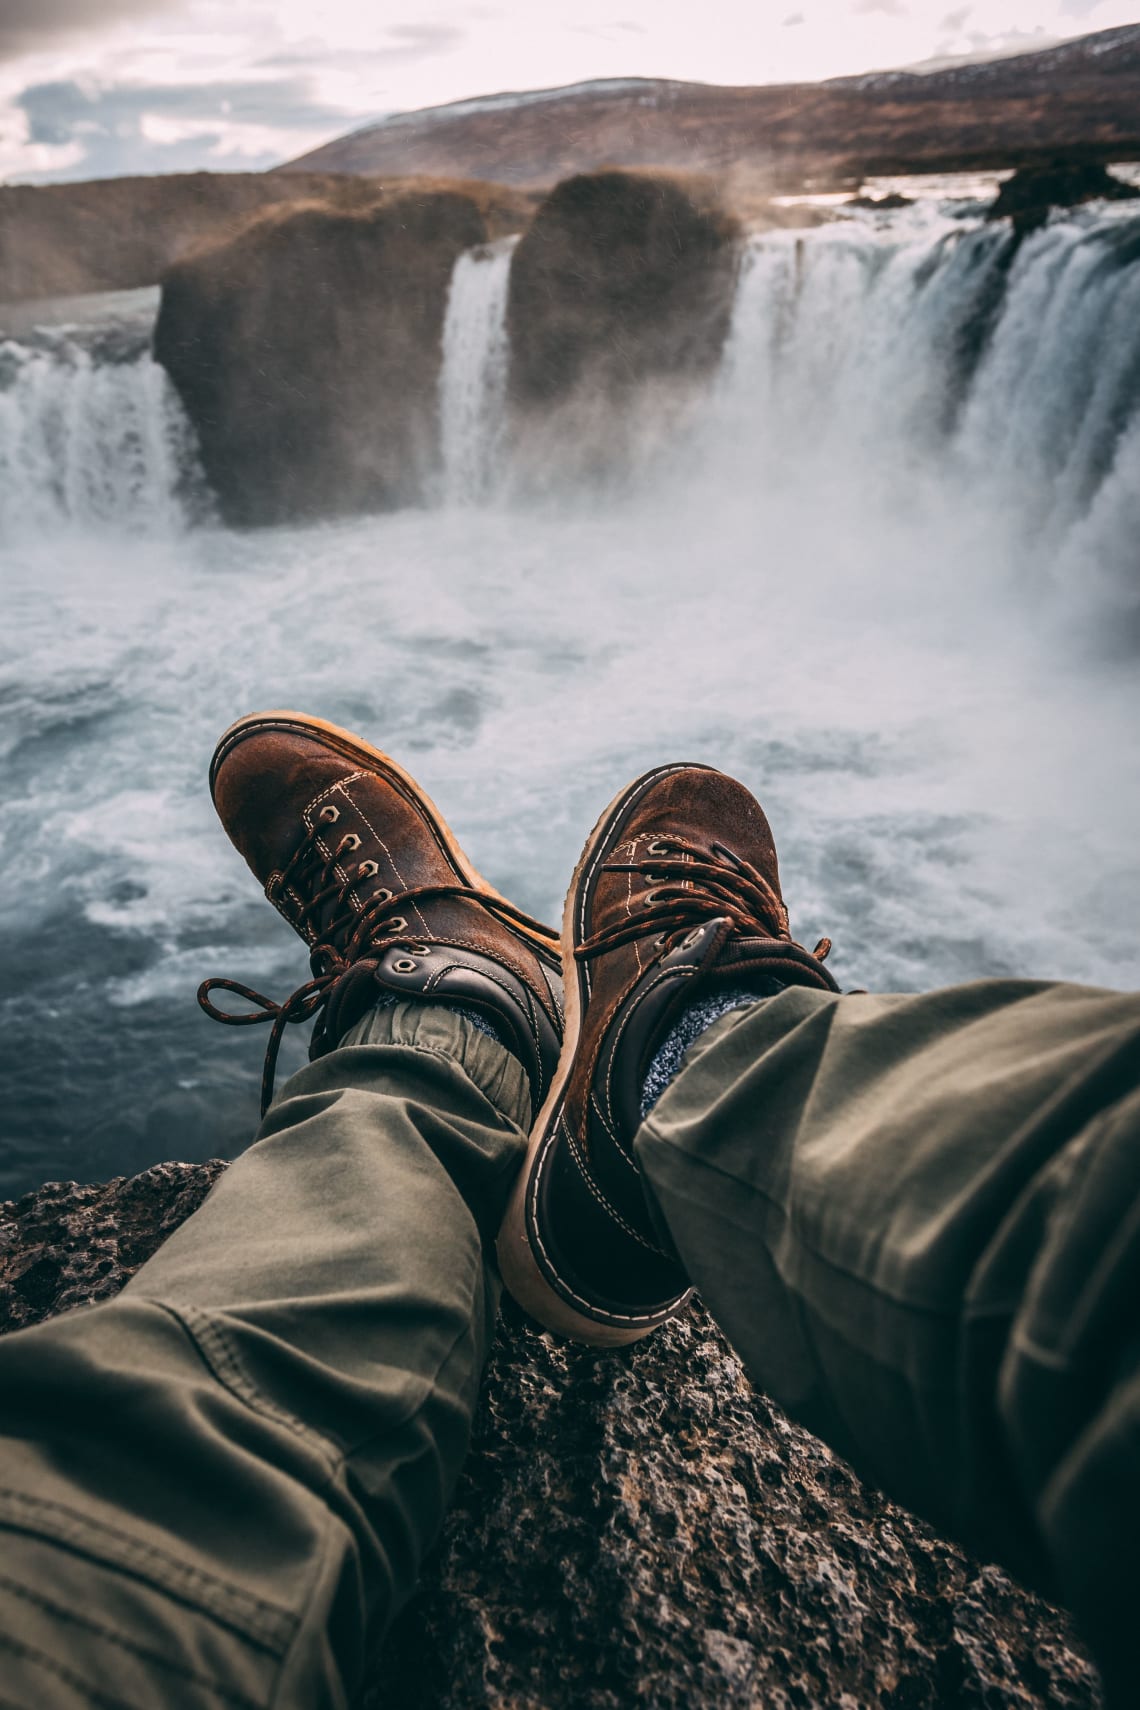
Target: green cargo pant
918 1219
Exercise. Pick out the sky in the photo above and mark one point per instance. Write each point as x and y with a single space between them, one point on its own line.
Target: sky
98 88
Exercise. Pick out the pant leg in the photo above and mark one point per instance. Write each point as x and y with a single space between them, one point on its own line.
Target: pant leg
918 1221
216 1489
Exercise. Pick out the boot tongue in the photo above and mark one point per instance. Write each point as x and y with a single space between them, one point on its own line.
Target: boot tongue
668 986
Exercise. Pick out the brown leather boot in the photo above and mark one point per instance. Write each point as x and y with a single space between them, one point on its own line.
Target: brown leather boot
361 864
677 894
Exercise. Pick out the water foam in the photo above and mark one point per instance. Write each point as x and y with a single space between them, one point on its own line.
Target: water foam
1008 375
834 591
89 443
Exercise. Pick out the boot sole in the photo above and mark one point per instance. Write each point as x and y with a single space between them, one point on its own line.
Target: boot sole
522 1276
371 759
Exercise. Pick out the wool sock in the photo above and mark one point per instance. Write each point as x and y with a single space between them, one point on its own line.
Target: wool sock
665 1064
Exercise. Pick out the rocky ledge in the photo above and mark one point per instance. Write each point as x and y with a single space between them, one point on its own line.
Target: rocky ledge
1029 196
639 1527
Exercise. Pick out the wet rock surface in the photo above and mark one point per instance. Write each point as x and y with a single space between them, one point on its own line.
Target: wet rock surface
620 301
1029 196
635 1527
306 351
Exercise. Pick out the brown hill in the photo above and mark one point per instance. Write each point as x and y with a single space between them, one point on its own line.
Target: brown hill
59 240
1084 94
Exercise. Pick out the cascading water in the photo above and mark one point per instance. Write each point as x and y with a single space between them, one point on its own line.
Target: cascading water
473 377
841 586
1006 376
91 435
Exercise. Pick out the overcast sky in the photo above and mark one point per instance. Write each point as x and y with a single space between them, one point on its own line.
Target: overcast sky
92 88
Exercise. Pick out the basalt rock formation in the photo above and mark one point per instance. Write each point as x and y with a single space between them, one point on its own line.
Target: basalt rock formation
621 293
306 352
635 1527
1030 194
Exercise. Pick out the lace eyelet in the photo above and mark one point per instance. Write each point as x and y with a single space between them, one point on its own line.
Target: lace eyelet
368 870
648 899
396 924
657 847
350 842
405 965
329 815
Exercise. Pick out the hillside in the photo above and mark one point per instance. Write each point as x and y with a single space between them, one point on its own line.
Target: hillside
59 240
1083 94
1081 98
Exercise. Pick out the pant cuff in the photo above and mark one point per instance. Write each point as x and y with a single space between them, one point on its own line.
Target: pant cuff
437 1027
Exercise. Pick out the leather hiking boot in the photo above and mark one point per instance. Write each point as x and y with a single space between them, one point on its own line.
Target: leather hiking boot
362 865
677 895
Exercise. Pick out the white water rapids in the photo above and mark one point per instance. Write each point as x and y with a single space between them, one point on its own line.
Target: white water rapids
889 577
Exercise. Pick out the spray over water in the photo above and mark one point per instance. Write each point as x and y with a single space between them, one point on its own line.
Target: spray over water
853 585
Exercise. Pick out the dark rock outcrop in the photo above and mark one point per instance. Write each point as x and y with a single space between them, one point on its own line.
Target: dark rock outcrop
639 1527
881 204
306 350
622 283
1033 191
620 278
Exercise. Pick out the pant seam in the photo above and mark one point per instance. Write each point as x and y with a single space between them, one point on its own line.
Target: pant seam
220 1355
264 1624
91 1693
116 1637
466 1332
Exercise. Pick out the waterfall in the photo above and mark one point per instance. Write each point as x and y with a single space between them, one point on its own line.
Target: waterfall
473 377
942 352
91 436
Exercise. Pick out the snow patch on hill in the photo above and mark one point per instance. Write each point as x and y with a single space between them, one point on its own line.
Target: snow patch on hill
647 88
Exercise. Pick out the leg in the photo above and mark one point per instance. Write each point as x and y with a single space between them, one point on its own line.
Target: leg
918 1218
217 1489
918 1221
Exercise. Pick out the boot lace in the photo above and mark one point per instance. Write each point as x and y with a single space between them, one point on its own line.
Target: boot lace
696 885
348 934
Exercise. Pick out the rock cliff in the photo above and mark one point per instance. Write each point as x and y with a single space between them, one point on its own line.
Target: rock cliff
1033 191
306 351
632 1528
620 298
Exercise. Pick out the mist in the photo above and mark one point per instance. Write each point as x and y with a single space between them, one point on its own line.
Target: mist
883 569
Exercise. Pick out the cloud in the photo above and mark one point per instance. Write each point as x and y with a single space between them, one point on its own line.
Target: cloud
26 26
792 20
890 8
954 21
419 41
174 127
406 44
